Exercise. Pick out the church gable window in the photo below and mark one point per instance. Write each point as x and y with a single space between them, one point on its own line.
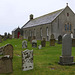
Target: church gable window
67 14
68 27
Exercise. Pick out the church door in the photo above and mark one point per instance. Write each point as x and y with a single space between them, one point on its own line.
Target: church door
18 34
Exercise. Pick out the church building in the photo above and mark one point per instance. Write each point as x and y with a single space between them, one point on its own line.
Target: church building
58 23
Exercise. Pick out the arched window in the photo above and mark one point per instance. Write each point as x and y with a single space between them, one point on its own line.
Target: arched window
41 31
47 31
30 33
34 32
65 27
70 27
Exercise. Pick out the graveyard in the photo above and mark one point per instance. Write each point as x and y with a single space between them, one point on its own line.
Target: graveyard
45 60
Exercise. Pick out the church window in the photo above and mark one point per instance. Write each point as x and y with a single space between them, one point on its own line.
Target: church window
65 27
70 27
34 32
47 31
41 31
67 14
30 33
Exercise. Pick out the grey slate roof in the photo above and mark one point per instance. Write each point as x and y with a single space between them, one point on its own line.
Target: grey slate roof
48 18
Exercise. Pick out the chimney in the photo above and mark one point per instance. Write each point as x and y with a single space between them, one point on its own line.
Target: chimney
31 16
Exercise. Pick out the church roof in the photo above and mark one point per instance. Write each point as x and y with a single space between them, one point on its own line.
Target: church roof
15 29
45 19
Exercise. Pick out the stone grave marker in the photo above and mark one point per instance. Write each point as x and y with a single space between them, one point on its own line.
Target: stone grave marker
73 42
74 34
52 36
6 59
59 39
0 39
66 58
34 43
52 40
27 60
1 50
24 44
40 46
43 42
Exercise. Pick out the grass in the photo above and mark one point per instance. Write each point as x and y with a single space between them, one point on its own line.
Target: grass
45 60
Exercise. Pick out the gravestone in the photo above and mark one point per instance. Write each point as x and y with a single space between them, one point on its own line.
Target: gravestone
74 34
59 39
43 42
6 59
40 46
27 60
24 44
52 36
71 35
73 42
5 36
0 39
20 37
52 40
1 50
34 43
66 58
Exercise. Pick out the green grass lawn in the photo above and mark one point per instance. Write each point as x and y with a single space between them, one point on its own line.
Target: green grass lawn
45 60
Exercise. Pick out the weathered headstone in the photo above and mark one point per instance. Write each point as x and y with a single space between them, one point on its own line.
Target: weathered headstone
52 36
40 46
6 59
34 43
1 50
20 37
71 35
43 42
73 42
0 39
66 58
59 39
27 60
52 40
74 34
24 44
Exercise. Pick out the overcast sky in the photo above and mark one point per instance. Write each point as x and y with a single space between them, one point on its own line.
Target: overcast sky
14 13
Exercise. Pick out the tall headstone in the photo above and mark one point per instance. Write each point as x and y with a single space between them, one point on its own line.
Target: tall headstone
43 42
34 43
59 39
74 34
52 40
27 60
24 44
0 39
6 59
73 42
66 58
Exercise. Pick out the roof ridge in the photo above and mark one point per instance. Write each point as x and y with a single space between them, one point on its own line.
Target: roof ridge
48 14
